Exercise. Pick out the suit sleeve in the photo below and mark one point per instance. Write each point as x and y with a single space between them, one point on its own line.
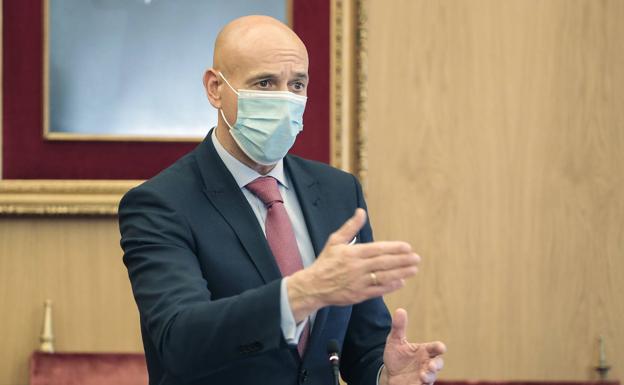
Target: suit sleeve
193 334
368 328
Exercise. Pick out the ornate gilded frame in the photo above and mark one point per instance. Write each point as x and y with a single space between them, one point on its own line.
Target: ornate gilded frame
348 83
347 124
61 197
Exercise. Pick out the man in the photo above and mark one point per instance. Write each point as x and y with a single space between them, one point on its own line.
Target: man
245 261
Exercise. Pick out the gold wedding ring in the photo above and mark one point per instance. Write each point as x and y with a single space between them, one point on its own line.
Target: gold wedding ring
374 279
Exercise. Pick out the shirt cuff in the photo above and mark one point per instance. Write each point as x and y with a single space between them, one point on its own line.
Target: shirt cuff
291 331
379 373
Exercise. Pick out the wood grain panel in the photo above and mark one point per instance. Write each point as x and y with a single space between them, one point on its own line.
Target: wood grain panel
77 263
496 147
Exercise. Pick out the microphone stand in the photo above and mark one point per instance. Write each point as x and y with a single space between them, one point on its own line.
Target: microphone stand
333 351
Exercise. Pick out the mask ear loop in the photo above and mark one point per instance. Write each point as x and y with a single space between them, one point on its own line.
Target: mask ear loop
225 120
221 109
228 83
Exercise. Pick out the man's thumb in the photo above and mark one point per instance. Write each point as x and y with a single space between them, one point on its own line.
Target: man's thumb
399 325
349 229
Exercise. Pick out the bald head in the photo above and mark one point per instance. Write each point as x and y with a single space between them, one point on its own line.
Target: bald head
249 39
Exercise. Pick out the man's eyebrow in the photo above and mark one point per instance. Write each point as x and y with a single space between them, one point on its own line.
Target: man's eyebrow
273 76
262 76
301 76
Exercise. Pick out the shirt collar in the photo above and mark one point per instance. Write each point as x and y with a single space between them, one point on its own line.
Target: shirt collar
243 174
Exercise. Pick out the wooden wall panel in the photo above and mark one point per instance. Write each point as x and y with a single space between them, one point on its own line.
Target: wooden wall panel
496 147
75 262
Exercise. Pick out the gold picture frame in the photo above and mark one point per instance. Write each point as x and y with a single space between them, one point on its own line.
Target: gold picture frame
62 197
348 86
347 131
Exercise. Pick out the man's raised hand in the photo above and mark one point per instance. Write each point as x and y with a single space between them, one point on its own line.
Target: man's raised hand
346 274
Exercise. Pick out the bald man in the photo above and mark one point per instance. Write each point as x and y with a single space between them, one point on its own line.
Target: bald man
245 261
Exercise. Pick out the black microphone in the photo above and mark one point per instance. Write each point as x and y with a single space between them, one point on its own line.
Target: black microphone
333 351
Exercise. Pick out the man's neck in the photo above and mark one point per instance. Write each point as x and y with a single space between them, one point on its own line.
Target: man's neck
226 140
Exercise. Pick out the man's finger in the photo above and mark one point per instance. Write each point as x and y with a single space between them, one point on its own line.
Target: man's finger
399 325
383 289
368 250
436 364
399 273
435 349
428 377
349 229
391 261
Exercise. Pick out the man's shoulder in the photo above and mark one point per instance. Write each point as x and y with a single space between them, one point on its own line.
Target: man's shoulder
176 181
181 183
321 171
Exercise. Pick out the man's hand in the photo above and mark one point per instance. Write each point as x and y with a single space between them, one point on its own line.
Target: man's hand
409 363
345 274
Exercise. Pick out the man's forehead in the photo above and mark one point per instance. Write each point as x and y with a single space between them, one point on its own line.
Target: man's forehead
276 65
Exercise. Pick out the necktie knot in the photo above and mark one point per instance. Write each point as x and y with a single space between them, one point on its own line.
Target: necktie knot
265 188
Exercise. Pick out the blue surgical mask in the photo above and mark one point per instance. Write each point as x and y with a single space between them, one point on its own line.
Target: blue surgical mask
267 123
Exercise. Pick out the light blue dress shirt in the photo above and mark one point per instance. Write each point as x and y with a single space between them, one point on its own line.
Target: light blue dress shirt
244 175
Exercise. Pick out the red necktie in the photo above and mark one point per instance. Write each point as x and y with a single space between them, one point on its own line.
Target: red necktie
280 234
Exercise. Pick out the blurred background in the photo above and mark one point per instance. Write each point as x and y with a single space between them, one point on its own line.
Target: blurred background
488 133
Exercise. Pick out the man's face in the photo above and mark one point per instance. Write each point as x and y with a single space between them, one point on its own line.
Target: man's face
272 61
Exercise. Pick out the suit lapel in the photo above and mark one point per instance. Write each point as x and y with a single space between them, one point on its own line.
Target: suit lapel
310 196
310 199
228 199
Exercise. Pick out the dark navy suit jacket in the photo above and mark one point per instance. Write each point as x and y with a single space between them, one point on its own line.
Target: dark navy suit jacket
208 288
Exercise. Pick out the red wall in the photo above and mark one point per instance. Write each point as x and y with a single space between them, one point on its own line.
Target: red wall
27 156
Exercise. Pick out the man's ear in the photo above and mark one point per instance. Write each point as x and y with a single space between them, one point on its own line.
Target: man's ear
211 84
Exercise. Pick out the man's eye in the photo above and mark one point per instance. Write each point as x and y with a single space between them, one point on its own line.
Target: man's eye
263 83
298 86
